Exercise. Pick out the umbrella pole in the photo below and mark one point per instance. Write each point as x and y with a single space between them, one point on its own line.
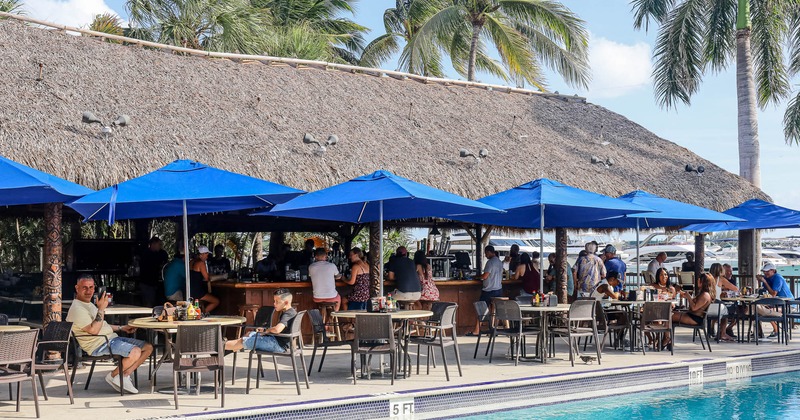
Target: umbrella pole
541 248
637 253
186 249
380 247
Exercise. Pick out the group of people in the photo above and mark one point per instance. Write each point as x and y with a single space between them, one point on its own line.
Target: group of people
413 278
97 337
204 268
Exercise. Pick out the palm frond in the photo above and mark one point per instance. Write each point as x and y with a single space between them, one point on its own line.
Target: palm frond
679 54
721 40
441 25
646 10
12 6
791 121
768 31
573 68
511 45
380 50
793 38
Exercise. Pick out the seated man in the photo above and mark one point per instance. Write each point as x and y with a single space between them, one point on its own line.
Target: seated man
606 289
323 278
175 278
91 332
260 339
404 273
775 285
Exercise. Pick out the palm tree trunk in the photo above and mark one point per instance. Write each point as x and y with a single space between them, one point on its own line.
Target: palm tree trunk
749 167
473 51
561 265
376 259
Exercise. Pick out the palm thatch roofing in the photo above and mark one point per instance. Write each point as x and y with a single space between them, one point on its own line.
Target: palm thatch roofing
250 117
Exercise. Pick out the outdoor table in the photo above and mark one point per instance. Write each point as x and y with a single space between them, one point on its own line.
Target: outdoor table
164 327
749 301
10 328
545 311
403 317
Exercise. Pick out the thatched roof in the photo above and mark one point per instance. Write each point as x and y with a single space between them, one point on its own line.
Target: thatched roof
251 117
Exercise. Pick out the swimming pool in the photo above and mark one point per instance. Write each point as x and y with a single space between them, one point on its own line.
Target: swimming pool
765 397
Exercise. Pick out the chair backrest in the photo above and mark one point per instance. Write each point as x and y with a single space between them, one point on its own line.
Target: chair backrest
297 324
18 347
55 337
677 271
263 317
582 310
482 309
507 310
773 301
648 277
3 319
438 309
374 327
655 311
524 300
317 324
193 340
600 316
686 278
448 318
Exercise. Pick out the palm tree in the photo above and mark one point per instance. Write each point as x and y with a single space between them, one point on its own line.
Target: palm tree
402 22
344 38
216 25
107 23
12 6
694 36
526 34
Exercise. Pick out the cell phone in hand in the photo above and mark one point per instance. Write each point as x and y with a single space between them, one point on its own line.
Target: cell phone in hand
101 291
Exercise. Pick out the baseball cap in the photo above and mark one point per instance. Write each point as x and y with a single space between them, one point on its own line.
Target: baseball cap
768 266
610 249
203 250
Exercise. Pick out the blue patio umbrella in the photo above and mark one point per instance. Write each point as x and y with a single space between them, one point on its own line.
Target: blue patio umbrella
181 188
669 213
376 197
20 184
544 203
756 214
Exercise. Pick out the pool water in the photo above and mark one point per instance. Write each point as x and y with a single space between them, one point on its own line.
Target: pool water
765 397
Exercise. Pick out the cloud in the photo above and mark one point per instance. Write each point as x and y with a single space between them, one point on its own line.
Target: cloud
618 69
76 13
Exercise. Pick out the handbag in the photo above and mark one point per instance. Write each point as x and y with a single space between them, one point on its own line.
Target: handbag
168 313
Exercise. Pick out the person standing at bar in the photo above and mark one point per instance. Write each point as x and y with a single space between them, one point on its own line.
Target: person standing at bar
153 259
492 279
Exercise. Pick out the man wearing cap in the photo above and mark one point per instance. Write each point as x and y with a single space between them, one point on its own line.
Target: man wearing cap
688 265
774 283
614 263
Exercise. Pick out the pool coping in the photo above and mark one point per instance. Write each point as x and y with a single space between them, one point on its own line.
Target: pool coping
454 400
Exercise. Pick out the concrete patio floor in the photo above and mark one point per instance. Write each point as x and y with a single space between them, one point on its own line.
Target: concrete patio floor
335 381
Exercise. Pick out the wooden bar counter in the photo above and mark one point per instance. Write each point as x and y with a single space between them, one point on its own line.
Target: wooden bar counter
463 292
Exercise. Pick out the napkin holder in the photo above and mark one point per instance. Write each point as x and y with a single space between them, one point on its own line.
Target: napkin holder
552 300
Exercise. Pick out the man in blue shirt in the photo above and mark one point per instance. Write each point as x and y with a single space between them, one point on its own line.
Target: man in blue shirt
775 283
175 278
614 263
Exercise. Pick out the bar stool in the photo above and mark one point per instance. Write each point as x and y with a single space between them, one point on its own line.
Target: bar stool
327 308
427 304
248 311
407 304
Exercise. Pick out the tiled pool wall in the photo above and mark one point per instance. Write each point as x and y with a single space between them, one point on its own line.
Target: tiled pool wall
550 389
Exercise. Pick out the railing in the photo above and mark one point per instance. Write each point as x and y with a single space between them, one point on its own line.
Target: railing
295 62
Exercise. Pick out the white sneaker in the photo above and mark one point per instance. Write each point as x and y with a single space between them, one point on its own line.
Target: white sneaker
127 385
114 382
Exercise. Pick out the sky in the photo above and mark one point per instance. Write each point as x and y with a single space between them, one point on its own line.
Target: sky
621 62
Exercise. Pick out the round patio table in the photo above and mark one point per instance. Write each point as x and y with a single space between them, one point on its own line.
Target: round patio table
10 328
545 311
165 327
401 316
